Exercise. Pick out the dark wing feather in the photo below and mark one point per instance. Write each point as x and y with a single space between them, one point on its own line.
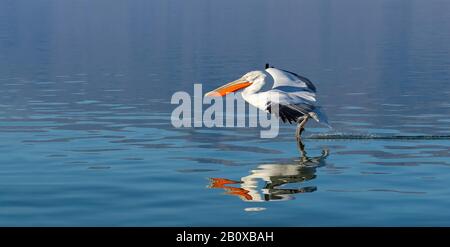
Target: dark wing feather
289 113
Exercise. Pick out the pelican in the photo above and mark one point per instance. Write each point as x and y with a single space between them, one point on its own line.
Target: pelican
292 97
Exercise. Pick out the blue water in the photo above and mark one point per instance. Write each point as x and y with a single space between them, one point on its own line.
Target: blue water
86 137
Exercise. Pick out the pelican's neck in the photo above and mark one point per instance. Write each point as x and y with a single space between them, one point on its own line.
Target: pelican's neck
254 88
252 95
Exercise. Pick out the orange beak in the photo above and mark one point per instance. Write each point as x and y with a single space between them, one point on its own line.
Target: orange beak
229 88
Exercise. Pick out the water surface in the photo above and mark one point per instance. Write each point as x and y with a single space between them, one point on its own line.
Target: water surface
86 138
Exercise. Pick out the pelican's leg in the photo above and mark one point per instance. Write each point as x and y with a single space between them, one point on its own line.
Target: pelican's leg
298 134
300 127
298 131
301 149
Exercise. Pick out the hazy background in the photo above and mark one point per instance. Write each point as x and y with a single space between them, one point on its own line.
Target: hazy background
86 137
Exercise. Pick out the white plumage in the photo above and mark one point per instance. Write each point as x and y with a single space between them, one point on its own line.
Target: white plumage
292 97
293 94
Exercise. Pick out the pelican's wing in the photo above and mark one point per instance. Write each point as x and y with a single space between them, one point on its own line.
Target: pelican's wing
289 81
290 106
288 113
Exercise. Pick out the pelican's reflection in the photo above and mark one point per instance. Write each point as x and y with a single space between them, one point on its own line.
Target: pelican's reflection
265 182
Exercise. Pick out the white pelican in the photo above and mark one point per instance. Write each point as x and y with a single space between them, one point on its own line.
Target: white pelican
292 97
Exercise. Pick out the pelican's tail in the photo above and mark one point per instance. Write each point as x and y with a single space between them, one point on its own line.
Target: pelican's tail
320 116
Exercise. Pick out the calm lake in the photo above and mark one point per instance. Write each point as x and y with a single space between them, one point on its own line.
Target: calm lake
85 113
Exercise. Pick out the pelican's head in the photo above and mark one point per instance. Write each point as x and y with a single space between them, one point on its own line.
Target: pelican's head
255 79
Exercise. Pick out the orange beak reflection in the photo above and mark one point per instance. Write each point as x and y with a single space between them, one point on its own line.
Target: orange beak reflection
223 183
228 88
